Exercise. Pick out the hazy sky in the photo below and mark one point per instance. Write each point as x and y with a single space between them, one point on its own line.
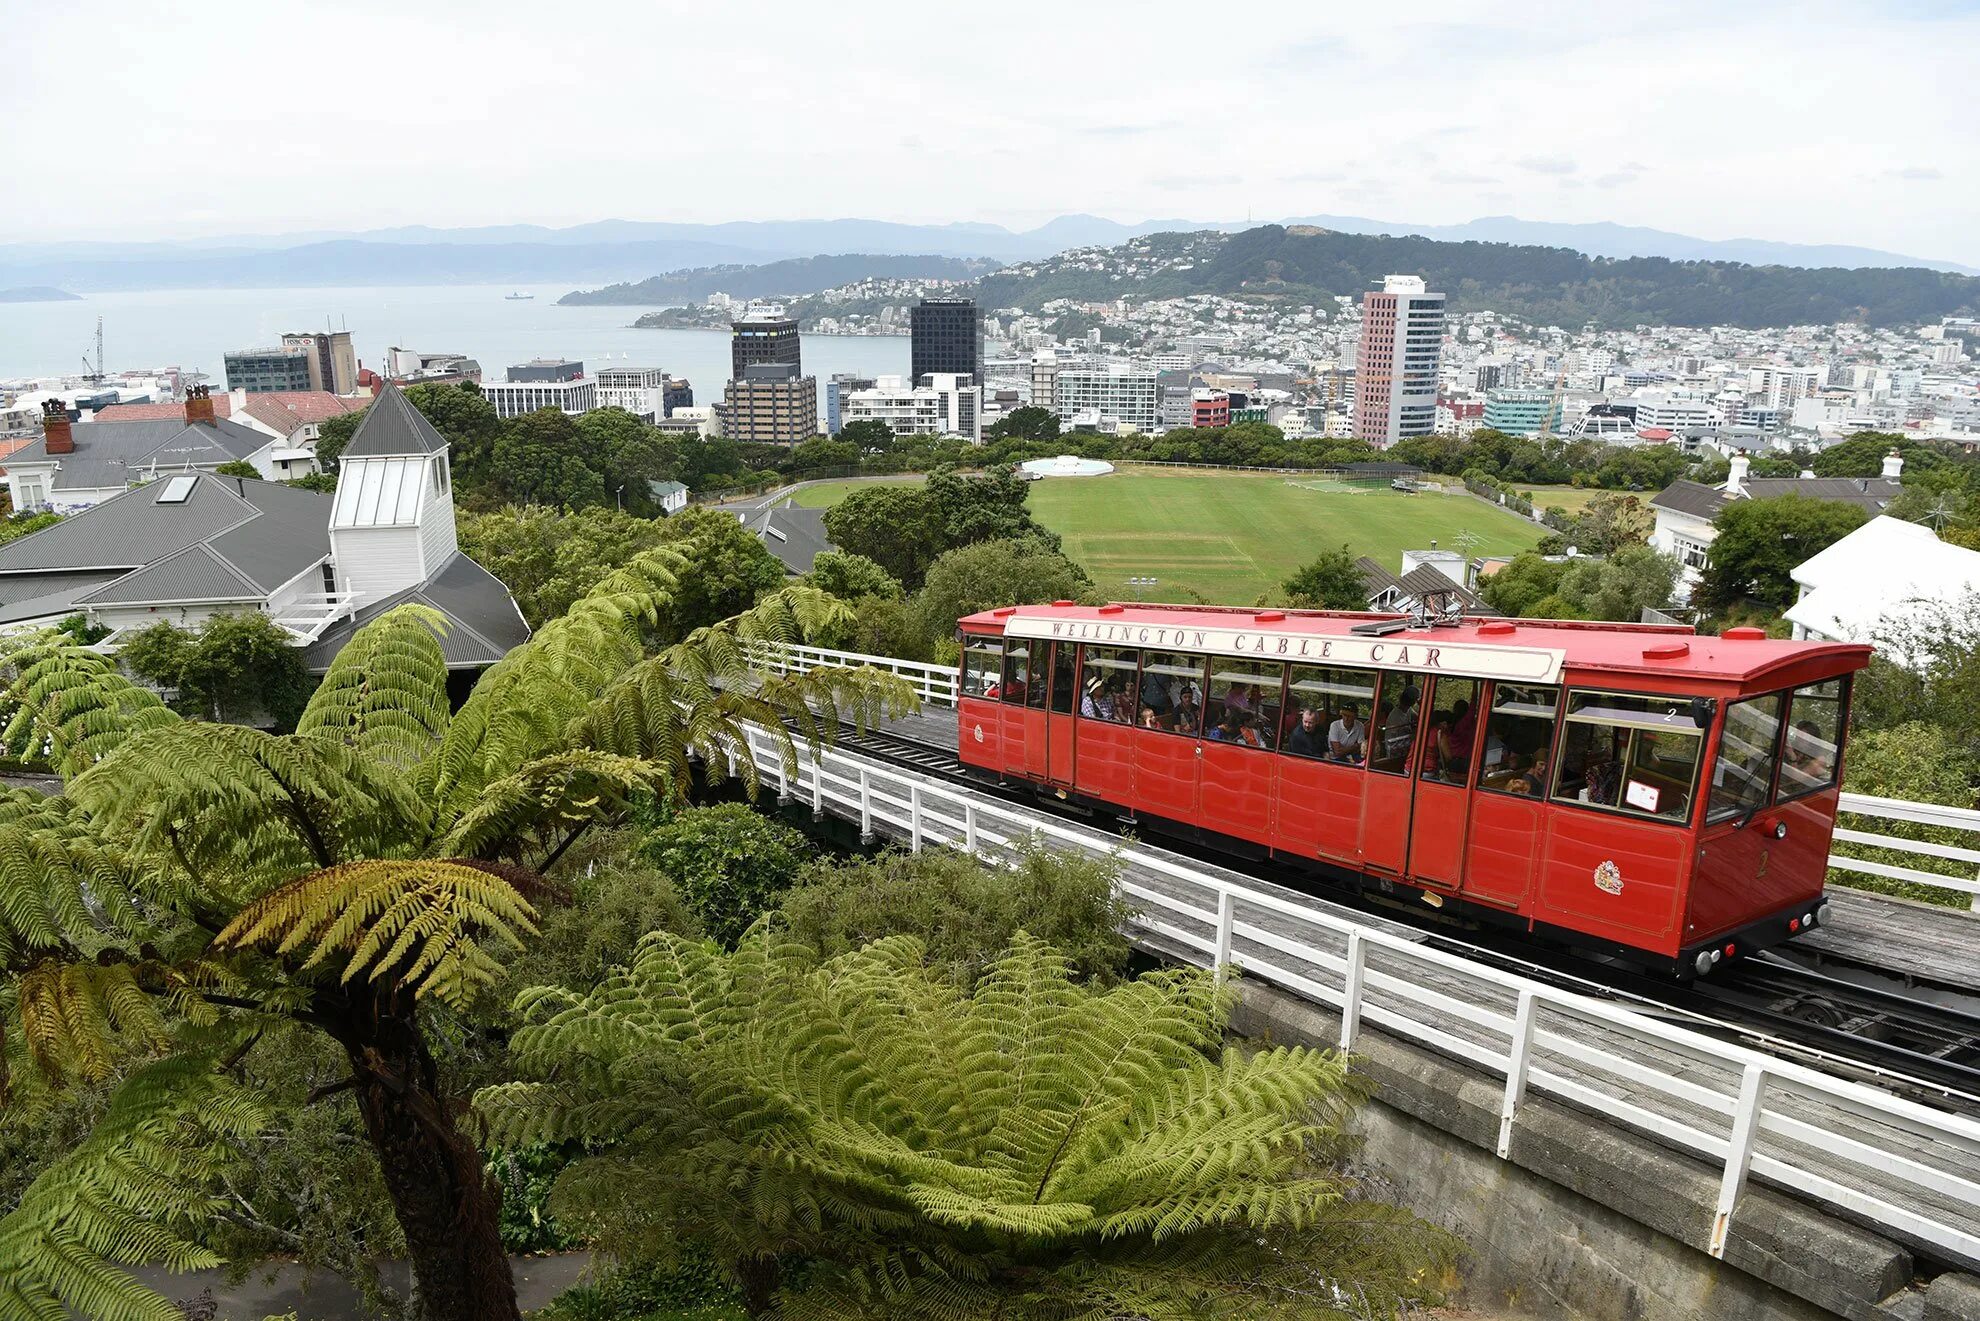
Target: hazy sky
1810 122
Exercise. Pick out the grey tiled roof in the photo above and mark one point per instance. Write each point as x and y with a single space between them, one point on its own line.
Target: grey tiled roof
483 620
112 453
36 596
251 537
792 533
1423 580
391 427
193 574
1869 494
1376 578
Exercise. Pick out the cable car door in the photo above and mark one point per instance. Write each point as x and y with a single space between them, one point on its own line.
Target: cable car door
1059 720
1439 811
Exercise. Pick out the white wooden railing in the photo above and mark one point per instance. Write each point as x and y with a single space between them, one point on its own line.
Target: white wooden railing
934 684
937 685
1899 1165
1910 1169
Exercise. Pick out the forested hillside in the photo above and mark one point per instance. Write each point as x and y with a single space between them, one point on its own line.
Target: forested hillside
1544 285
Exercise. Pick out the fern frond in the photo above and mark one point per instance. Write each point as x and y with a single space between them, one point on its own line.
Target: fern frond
416 923
549 794
386 692
134 1192
70 704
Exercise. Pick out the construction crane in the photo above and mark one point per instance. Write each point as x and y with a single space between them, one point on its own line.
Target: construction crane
95 374
1553 405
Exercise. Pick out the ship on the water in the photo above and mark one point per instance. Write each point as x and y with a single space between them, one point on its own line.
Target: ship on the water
517 297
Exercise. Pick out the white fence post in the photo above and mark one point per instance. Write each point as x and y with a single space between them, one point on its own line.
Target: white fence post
817 788
969 828
1226 919
1357 963
865 806
1739 1154
1516 1063
914 817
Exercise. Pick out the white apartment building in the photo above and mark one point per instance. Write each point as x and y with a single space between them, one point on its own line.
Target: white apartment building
1044 380
949 405
1122 391
641 391
514 398
1674 411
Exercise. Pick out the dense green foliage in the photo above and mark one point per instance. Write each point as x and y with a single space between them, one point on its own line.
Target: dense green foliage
903 527
1923 762
1758 543
1027 1148
1548 286
728 863
964 911
238 468
198 889
1516 460
1020 571
1620 587
1328 582
243 667
550 558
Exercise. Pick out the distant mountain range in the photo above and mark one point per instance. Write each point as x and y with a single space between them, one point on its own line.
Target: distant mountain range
612 251
37 294
778 279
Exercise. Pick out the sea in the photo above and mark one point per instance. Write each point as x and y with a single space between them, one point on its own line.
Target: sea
192 328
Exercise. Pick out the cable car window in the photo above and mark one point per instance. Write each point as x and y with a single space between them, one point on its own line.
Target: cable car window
1171 693
1109 683
983 666
1327 713
1629 753
1744 772
1064 696
1245 705
1017 671
1452 731
1393 731
1519 740
1814 739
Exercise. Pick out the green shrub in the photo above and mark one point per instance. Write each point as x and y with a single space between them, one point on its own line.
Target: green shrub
690 1289
965 912
727 863
616 896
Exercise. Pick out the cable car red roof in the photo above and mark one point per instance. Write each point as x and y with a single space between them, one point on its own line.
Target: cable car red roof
1533 650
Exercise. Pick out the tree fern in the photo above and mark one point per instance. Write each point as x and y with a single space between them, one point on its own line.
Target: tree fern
1031 1148
194 881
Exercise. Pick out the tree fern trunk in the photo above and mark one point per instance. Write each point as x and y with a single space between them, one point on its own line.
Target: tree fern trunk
446 1206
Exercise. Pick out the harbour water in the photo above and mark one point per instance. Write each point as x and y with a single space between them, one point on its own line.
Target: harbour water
193 328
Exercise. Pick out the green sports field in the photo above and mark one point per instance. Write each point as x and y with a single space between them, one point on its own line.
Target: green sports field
1234 537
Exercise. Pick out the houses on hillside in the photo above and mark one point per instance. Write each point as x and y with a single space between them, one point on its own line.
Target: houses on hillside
191 544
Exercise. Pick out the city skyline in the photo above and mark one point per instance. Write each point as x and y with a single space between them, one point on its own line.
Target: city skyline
1681 117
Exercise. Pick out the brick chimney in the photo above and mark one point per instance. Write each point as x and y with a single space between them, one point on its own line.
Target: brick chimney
199 407
57 437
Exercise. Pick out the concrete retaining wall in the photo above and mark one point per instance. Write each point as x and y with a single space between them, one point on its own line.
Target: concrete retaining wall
1587 1221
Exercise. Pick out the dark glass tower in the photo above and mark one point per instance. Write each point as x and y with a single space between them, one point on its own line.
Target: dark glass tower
948 337
759 340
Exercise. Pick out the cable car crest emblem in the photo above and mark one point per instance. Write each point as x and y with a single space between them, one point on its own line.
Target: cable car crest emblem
1608 878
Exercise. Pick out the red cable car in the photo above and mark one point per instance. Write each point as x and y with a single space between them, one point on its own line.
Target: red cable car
1625 788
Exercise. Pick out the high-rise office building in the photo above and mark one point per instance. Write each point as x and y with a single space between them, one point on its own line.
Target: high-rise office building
767 337
947 337
770 404
1122 392
264 371
1402 335
332 360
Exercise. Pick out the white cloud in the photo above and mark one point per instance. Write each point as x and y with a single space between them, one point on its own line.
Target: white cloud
694 112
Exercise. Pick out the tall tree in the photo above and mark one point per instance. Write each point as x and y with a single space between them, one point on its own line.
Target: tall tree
1757 544
535 461
1329 582
195 884
1032 1150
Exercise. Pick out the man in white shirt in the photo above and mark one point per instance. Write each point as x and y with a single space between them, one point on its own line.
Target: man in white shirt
1347 737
